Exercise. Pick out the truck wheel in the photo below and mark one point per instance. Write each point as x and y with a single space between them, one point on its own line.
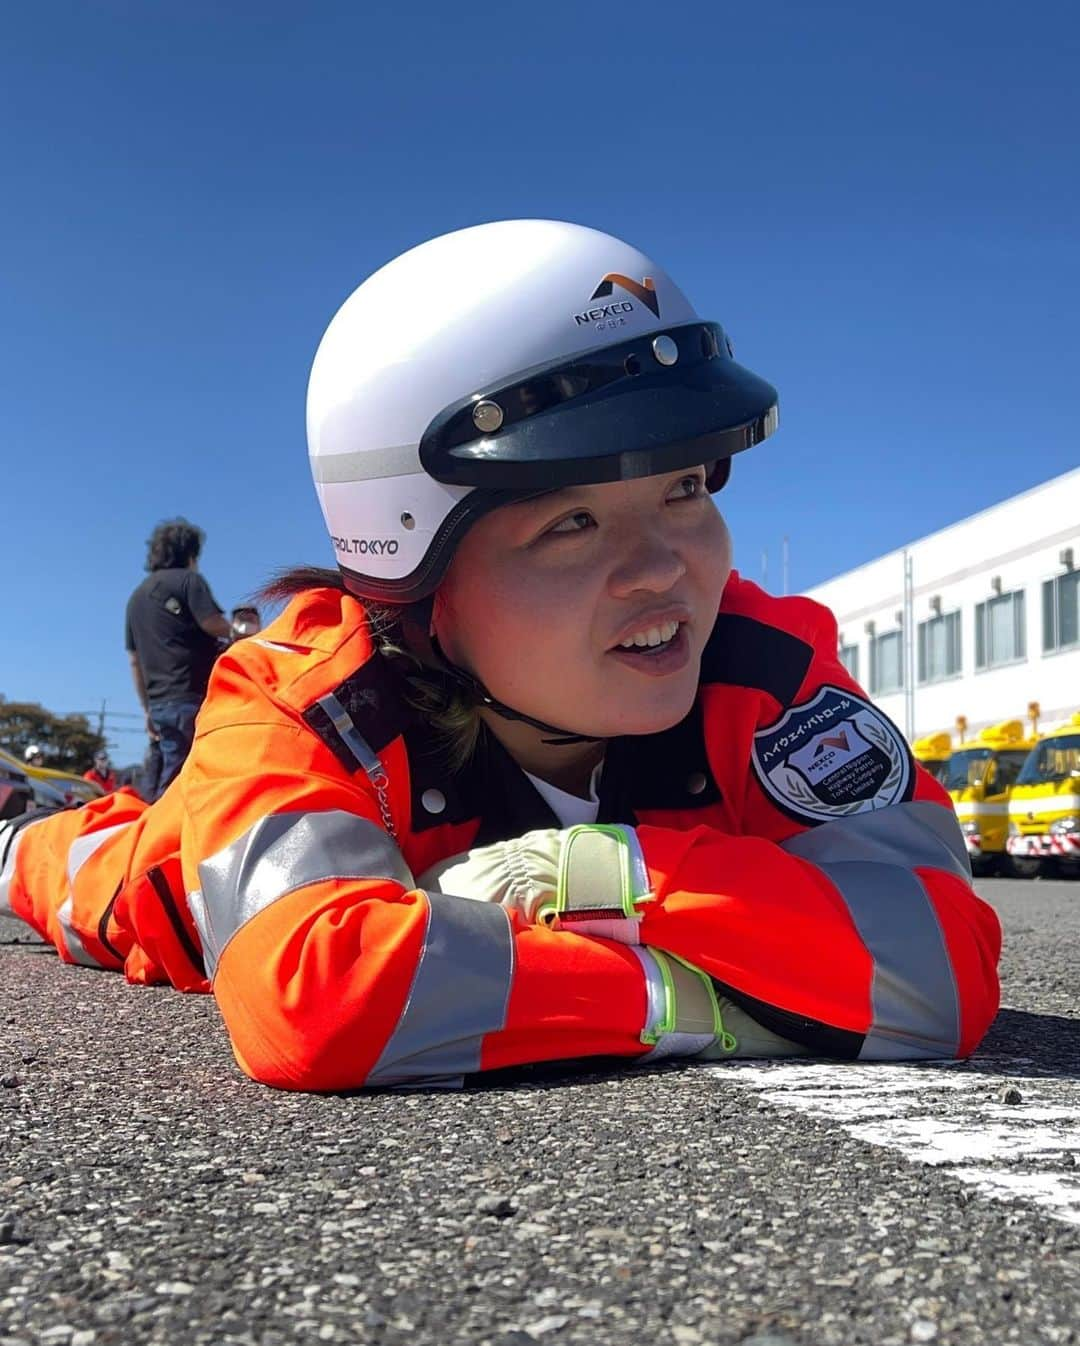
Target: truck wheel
983 866
1023 866
1069 869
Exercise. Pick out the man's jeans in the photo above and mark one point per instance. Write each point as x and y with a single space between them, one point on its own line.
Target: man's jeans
148 779
175 723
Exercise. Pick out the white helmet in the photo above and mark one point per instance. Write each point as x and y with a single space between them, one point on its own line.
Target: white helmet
33 751
498 363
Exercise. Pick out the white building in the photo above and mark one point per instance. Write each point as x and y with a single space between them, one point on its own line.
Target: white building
977 620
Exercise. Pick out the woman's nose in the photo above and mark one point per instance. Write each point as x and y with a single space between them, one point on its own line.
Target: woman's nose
647 564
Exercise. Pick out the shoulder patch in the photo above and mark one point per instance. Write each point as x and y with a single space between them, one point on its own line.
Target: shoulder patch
831 757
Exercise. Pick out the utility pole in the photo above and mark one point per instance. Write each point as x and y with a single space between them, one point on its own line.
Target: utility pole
909 647
101 720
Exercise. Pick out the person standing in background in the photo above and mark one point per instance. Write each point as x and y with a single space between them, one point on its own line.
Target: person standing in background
246 621
102 773
172 631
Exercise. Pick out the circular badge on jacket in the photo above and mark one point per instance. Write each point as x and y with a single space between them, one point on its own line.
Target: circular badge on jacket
833 756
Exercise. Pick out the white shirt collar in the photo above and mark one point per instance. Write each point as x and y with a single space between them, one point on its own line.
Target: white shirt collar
571 810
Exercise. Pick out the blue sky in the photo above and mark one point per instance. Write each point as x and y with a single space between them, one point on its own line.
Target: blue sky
879 202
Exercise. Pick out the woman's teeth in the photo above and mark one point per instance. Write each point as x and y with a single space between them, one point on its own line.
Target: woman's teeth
650 639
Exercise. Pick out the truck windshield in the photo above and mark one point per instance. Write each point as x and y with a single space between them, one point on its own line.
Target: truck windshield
1009 766
1055 759
967 768
939 770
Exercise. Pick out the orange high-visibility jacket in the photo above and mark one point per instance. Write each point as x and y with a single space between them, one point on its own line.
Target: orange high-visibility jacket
795 852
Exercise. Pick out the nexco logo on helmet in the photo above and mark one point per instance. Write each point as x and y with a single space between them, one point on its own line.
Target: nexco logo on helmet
417 430
646 292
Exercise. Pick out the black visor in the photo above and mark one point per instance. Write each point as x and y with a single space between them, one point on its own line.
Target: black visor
654 404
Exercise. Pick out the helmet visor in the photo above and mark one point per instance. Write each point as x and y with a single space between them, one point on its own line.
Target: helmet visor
653 404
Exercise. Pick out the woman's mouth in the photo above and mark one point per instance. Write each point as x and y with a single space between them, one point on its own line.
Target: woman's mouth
657 650
653 638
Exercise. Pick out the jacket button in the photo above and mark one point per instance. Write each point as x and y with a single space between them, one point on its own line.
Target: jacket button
433 800
697 783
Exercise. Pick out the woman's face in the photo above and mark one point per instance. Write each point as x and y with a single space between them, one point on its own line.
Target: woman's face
589 608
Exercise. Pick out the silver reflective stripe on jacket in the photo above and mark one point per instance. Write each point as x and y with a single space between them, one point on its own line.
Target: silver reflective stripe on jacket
357 744
82 848
280 854
675 1041
459 994
870 858
11 834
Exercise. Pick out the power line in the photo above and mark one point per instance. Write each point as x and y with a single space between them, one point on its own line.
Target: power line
109 714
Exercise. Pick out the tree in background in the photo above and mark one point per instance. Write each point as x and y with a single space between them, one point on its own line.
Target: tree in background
67 741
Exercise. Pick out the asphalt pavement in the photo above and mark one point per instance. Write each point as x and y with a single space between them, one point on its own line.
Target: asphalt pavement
149 1193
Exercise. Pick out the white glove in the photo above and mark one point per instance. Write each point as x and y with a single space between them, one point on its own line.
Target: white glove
589 878
687 1016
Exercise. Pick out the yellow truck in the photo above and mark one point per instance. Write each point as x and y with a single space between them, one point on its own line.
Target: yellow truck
933 753
1044 808
980 777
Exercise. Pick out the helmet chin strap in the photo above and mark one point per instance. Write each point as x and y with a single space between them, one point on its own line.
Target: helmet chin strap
480 695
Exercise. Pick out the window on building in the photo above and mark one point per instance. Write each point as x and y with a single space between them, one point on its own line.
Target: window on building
939 647
999 630
1061 611
886 663
849 657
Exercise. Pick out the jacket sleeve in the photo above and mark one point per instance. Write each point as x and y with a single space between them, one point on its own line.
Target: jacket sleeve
331 969
294 886
841 913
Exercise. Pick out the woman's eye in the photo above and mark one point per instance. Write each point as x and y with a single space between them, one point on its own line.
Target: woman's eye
689 488
573 523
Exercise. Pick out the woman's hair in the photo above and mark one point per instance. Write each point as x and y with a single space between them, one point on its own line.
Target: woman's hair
173 544
445 705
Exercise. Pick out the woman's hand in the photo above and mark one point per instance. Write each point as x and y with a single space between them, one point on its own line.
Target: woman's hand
589 878
520 874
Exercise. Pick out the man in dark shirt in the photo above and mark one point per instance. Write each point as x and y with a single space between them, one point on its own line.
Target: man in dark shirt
172 632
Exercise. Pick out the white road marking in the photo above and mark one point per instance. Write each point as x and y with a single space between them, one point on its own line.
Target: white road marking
948 1115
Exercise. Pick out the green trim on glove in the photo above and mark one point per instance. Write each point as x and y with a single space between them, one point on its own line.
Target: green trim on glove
601 879
595 872
691 1004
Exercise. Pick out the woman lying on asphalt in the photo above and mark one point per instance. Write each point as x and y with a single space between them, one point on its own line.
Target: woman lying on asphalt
534 775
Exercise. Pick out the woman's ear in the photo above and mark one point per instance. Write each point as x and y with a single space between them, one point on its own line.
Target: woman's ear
437 610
